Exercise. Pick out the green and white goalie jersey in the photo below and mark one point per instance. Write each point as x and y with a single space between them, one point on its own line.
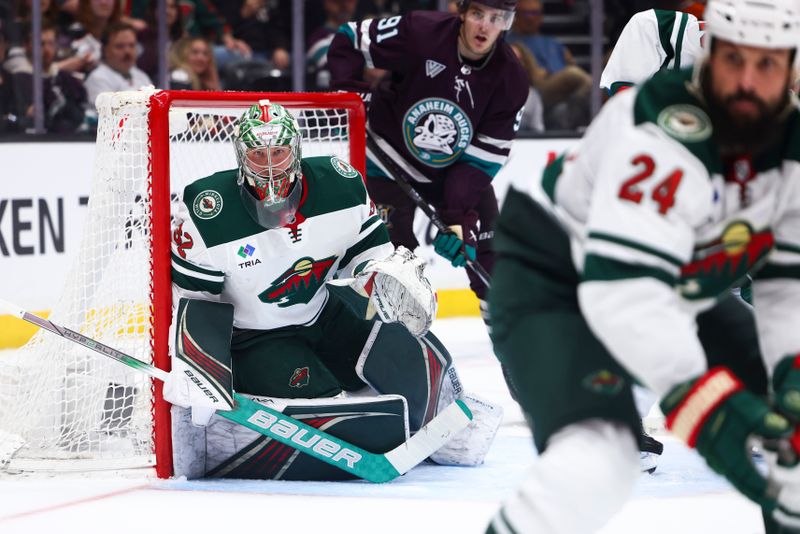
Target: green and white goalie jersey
661 226
275 278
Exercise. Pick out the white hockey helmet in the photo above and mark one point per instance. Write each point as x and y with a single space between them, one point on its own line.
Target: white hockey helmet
759 23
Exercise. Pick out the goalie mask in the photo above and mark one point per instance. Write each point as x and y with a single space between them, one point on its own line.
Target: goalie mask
267 140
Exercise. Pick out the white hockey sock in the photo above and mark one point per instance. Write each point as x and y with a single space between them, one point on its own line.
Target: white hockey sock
591 466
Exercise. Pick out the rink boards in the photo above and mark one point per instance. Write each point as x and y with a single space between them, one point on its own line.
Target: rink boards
43 204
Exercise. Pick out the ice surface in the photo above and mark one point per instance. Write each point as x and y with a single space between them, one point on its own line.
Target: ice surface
683 496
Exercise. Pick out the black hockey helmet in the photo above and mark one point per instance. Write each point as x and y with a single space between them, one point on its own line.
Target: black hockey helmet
506 5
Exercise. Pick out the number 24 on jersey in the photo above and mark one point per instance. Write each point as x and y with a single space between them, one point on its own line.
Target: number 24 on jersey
662 193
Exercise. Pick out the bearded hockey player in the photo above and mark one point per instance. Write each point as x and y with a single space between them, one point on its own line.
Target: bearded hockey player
446 114
651 41
637 233
253 251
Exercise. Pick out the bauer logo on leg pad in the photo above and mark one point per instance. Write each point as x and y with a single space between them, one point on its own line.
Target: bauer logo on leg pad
319 445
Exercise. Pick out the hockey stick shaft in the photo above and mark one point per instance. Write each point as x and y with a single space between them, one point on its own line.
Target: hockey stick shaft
272 423
403 181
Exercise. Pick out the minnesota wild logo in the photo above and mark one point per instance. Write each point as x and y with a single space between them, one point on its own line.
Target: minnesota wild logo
300 377
725 261
604 382
299 283
207 204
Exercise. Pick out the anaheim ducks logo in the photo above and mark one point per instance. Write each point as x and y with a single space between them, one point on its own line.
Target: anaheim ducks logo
299 283
724 262
436 131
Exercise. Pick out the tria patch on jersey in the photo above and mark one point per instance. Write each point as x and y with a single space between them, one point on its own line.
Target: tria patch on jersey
685 122
343 168
299 283
207 204
246 251
436 131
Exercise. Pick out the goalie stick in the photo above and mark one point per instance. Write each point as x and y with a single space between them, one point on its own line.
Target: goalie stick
404 182
370 466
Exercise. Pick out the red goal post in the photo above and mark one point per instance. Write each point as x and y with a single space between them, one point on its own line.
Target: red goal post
60 406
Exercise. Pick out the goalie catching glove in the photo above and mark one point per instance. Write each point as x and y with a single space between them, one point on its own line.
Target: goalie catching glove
718 416
201 377
398 291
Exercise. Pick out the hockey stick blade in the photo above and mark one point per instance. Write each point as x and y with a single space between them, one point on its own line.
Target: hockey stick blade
403 181
373 467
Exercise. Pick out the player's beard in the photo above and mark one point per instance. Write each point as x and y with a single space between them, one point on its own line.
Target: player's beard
738 134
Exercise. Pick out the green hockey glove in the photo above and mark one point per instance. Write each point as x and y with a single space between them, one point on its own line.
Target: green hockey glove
715 414
450 244
786 385
782 456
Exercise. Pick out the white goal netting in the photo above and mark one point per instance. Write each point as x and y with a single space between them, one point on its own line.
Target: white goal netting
63 407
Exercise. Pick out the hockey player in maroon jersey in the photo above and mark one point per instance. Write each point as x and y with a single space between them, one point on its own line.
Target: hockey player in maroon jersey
446 114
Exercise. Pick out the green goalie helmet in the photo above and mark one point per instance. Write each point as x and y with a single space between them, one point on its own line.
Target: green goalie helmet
267 139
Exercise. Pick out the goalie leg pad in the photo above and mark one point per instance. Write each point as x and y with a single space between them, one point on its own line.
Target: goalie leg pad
201 374
224 449
394 361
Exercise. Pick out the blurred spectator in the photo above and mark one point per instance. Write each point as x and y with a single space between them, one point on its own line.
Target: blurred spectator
5 83
64 95
148 35
337 13
532 120
201 18
193 66
93 18
565 87
387 8
263 25
117 71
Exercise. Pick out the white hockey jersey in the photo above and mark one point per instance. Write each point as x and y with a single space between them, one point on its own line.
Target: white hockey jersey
277 277
660 226
652 40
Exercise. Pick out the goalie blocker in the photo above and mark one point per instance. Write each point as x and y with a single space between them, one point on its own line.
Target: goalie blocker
411 380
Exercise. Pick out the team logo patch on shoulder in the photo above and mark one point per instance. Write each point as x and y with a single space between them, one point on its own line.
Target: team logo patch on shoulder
207 204
436 131
343 168
685 123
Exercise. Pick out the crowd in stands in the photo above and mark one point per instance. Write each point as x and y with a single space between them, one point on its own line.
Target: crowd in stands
91 46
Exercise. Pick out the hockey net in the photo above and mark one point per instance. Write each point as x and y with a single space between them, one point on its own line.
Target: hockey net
65 408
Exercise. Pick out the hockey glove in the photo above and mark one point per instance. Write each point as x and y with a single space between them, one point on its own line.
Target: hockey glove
450 245
715 414
398 291
782 456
